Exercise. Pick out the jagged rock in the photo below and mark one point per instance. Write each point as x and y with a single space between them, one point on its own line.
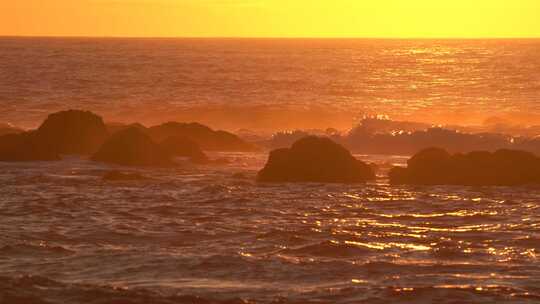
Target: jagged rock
315 159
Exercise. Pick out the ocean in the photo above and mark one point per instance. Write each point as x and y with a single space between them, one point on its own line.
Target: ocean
267 84
211 234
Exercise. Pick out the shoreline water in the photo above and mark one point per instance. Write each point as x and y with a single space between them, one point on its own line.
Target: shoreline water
200 231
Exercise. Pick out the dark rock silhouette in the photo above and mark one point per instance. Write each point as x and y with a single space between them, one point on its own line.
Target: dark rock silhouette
131 147
73 132
205 137
6 129
529 144
113 176
435 166
178 146
67 132
428 165
26 146
315 159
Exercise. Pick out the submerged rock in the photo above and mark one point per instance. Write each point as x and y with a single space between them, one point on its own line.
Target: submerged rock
179 146
120 176
132 147
206 138
435 166
73 132
26 146
315 159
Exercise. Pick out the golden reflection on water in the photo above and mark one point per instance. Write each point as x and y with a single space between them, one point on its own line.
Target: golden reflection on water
383 246
388 229
404 289
460 213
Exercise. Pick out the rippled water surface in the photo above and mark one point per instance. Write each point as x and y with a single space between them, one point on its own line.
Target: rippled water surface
151 80
210 235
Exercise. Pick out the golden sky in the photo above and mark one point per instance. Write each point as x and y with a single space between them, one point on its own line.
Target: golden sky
272 18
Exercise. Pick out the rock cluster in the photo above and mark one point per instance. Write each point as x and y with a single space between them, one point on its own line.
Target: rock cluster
436 166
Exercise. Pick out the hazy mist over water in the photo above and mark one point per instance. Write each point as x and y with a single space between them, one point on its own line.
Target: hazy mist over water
270 83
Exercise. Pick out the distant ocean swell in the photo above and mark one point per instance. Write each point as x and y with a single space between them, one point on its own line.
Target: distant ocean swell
268 83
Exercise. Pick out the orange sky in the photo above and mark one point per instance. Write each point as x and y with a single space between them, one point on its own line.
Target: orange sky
272 18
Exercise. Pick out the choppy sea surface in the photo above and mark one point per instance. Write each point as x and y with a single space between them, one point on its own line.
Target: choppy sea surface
152 80
213 235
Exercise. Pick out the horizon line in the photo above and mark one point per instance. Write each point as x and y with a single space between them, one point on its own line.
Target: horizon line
272 37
